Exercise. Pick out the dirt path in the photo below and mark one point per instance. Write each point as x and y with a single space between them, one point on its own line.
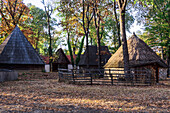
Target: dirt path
36 93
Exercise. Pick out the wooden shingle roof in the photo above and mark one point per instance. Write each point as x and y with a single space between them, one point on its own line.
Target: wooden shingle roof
93 56
16 49
61 57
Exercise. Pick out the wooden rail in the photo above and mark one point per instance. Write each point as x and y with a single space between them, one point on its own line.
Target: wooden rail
106 76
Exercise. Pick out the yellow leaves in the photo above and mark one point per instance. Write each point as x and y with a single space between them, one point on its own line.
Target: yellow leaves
24 18
12 14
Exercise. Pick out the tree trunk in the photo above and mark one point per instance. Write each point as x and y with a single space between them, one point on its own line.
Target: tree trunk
74 50
124 40
168 62
50 48
49 32
86 29
97 26
162 51
117 24
70 49
98 48
48 13
123 34
91 41
87 50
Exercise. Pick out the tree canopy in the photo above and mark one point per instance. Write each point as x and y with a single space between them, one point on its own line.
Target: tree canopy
87 22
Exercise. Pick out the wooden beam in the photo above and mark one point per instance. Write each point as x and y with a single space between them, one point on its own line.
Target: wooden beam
157 74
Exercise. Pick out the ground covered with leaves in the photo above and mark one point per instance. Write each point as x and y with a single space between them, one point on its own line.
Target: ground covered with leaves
43 93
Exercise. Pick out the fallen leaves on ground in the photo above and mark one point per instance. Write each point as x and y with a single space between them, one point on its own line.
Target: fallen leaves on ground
43 93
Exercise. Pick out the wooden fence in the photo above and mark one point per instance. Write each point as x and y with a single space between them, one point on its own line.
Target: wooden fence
106 76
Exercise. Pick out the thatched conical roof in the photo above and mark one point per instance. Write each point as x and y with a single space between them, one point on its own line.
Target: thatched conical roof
16 49
139 54
61 57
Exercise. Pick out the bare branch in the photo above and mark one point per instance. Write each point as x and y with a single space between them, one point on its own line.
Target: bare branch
4 19
22 11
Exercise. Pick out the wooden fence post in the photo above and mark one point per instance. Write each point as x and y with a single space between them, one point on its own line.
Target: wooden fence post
91 78
131 77
73 76
111 77
59 75
149 73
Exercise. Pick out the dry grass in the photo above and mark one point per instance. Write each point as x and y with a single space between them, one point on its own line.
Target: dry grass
33 92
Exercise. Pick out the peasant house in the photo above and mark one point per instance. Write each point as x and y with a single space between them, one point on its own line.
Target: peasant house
141 57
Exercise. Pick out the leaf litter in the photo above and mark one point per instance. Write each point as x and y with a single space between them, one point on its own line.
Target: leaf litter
33 92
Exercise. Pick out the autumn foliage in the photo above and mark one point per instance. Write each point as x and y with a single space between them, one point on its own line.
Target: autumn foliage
14 12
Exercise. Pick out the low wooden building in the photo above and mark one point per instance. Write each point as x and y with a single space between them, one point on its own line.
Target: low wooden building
93 57
70 66
141 57
60 61
16 53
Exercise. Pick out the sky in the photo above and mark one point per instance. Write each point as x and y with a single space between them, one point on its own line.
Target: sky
35 2
134 27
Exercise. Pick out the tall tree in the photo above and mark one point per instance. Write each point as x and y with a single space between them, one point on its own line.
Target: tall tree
100 11
86 18
110 24
37 23
122 10
49 10
157 27
79 15
64 13
117 23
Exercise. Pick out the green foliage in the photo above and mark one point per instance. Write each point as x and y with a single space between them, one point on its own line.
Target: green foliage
70 51
80 50
38 25
154 14
157 26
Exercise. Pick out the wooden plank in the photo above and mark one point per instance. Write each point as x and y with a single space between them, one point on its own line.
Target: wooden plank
82 79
